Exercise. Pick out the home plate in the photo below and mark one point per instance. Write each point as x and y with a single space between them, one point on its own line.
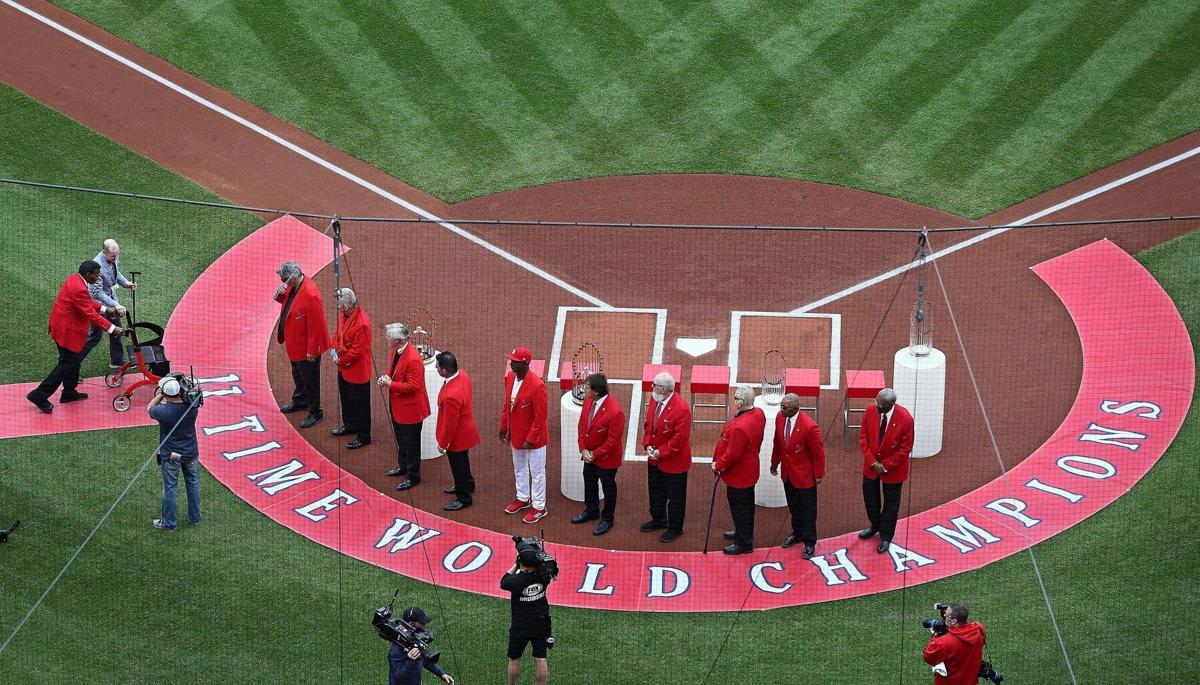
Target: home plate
696 346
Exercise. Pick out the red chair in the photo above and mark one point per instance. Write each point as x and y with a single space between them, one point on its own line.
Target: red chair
710 380
807 384
860 385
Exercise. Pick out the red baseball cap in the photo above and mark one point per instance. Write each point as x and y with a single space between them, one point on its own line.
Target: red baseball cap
520 354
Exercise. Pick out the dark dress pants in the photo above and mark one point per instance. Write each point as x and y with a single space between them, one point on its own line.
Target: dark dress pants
408 448
802 503
65 373
307 377
356 407
460 468
668 497
741 507
882 512
116 353
595 478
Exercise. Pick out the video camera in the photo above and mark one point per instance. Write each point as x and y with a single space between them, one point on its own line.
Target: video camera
547 565
403 633
189 389
938 626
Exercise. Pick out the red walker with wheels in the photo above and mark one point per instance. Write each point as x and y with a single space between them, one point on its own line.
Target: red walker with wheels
149 357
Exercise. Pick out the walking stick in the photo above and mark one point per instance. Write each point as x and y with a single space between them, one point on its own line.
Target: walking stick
712 503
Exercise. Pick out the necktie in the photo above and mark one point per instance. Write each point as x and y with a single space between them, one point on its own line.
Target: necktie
787 429
658 413
882 427
592 416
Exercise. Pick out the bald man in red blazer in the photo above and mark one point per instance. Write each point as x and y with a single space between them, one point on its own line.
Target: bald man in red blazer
886 439
524 424
352 356
667 437
457 431
736 460
409 404
799 448
303 333
71 316
601 449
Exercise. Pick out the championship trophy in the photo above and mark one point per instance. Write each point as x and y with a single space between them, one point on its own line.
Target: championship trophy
587 360
920 330
421 327
774 367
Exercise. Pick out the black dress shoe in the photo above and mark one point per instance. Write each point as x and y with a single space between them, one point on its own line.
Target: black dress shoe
72 396
311 420
788 541
397 472
670 536
737 549
867 532
809 550
407 484
356 443
43 406
729 535
651 526
292 408
883 546
602 528
454 506
584 517
340 430
451 490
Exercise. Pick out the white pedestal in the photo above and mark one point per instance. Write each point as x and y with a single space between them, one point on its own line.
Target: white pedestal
769 490
920 385
571 468
433 385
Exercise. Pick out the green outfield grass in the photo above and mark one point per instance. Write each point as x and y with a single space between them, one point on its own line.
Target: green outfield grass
964 105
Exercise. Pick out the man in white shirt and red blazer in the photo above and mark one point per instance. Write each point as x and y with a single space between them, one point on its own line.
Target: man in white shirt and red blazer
601 449
303 333
735 459
408 402
352 356
667 437
457 431
524 425
798 446
73 313
886 439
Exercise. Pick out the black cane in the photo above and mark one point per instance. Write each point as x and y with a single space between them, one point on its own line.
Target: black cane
712 503
336 225
133 294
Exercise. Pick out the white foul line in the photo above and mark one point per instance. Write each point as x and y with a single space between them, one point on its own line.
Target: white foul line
997 231
330 166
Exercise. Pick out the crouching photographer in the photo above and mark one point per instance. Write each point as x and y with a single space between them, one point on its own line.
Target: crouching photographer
955 649
527 581
410 636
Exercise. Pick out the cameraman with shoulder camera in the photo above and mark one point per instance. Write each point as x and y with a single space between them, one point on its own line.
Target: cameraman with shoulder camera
404 666
955 649
527 583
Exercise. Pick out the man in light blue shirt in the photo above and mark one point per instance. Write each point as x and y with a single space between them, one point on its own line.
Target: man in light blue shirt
104 292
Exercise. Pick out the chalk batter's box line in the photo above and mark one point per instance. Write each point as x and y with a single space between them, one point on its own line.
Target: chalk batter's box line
835 343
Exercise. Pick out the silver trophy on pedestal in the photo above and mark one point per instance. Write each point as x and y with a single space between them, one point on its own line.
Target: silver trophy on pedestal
920 330
586 361
421 327
774 368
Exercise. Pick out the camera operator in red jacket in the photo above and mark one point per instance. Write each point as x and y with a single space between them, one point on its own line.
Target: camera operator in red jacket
956 653
736 460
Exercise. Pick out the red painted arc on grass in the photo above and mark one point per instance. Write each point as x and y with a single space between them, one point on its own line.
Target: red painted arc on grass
1129 407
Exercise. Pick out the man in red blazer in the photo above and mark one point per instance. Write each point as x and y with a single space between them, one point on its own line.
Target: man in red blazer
525 426
735 459
799 447
456 429
351 354
667 437
405 382
303 333
601 439
73 313
886 439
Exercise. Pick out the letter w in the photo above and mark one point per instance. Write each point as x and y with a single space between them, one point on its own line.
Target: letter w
281 478
404 534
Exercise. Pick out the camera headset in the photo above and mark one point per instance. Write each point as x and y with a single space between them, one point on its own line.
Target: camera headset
170 386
